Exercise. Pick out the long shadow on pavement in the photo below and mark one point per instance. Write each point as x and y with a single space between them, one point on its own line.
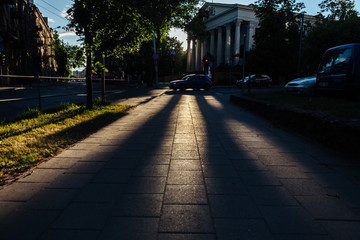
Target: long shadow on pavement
109 185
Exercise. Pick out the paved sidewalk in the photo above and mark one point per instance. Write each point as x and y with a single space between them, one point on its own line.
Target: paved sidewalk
186 165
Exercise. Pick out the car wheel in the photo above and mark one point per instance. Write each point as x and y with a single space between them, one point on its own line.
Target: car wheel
182 87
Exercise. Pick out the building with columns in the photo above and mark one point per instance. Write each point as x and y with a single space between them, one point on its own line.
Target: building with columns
231 29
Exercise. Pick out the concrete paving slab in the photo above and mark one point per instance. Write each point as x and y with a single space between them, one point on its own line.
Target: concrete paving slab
185 165
138 205
71 181
21 192
185 194
219 171
26 224
100 192
342 229
271 196
233 206
42 176
328 208
59 163
130 229
70 235
52 199
225 186
232 229
290 220
303 187
146 185
189 236
185 177
112 176
86 216
259 178
186 219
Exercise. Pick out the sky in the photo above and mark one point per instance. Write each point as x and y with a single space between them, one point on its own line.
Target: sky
55 11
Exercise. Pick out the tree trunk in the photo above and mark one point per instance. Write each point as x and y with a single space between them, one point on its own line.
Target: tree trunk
103 82
89 88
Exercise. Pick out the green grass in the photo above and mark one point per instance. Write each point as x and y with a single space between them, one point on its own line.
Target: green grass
33 137
332 106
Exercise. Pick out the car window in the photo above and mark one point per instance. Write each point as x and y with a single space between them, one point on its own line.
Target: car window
327 62
343 57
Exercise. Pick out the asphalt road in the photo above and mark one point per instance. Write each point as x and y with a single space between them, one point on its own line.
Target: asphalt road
16 100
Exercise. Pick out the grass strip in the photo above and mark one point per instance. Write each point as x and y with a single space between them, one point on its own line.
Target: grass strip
33 137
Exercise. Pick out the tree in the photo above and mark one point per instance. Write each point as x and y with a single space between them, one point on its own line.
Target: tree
340 27
166 14
61 57
67 56
276 39
196 28
339 10
108 26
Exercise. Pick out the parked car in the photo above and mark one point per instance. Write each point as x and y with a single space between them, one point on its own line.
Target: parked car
194 81
255 80
302 86
339 70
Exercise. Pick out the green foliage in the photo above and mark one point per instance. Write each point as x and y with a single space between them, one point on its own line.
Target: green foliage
30 113
144 63
67 57
111 25
196 28
61 57
276 39
340 10
340 27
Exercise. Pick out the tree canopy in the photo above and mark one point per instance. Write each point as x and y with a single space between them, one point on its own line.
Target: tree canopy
341 26
67 57
276 39
112 25
118 27
339 10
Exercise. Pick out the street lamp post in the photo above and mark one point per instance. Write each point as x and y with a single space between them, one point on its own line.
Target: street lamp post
300 44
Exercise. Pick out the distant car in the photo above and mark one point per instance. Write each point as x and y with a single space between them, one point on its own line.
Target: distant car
302 86
255 80
194 81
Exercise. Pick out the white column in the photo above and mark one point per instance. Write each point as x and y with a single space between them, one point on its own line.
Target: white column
219 47
237 41
228 44
188 59
196 65
251 34
212 43
198 62
205 47
201 64
193 57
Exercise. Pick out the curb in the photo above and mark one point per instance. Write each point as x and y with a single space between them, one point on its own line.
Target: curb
340 135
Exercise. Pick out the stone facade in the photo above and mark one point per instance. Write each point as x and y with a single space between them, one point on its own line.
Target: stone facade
231 30
25 39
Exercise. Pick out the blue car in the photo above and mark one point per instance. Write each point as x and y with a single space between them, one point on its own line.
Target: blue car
194 81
